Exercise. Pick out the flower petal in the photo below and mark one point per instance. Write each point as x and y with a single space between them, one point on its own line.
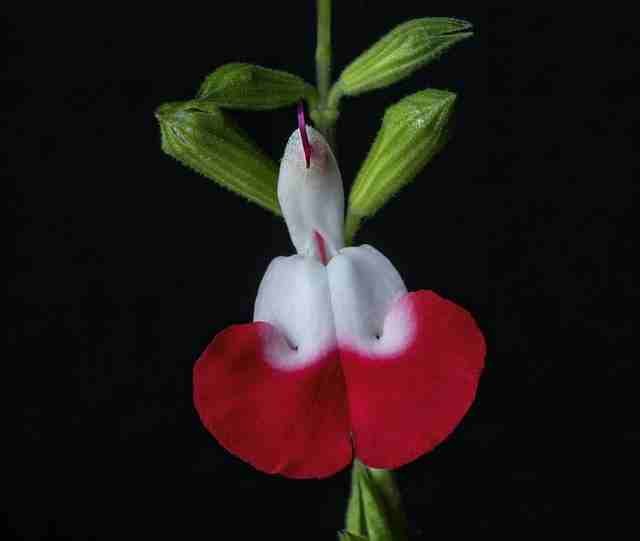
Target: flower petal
294 297
411 361
311 199
272 392
292 422
364 284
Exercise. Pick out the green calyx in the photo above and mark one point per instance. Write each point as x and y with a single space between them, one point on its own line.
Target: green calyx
246 86
413 131
202 137
399 53
374 511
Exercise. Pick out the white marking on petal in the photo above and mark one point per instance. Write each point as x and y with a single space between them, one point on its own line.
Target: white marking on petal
294 297
366 292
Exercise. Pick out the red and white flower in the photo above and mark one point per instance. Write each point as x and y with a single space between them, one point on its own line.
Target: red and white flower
341 361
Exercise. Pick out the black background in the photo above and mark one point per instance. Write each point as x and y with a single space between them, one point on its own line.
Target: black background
126 264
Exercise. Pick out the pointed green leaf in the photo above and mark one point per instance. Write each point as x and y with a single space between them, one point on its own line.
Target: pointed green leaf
402 51
413 131
203 138
374 510
245 86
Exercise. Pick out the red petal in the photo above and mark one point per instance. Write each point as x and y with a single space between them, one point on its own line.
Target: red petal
292 422
402 406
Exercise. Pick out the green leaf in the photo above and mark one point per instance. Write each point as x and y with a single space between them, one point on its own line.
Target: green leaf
413 131
245 86
203 138
350 536
402 51
374 510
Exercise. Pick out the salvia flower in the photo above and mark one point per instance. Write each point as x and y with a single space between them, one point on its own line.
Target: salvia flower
341 361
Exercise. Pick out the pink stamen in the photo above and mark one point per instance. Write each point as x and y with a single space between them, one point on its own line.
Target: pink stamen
322 248
302 127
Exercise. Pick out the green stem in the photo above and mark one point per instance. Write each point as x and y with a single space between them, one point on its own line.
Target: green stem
323 50
325 114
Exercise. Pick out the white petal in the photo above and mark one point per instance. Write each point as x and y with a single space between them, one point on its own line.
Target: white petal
364 286
294 297
311 199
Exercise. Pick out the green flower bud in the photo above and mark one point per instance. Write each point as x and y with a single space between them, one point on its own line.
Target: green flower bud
402 51
413 131
245 86
203 138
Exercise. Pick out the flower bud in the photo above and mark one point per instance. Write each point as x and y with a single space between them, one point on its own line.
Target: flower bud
246 86
205 139
402 51
413 131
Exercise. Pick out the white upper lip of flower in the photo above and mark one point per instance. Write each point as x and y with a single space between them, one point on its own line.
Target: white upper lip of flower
311 199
